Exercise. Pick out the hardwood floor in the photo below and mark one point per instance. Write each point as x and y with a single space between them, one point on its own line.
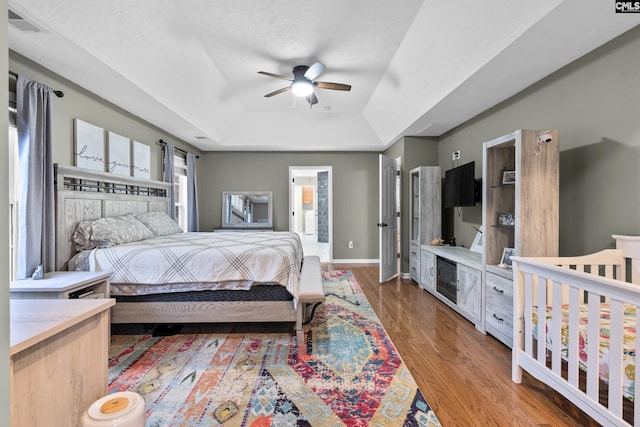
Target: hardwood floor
464 375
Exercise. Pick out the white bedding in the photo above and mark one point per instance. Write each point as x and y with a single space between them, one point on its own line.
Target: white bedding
199 261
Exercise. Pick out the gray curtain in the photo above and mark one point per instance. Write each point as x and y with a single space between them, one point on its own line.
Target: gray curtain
192 194
36 215
168 176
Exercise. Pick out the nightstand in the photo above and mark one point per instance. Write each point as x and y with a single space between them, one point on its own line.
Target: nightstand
63 285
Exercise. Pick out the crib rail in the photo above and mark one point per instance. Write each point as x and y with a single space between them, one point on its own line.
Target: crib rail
593 280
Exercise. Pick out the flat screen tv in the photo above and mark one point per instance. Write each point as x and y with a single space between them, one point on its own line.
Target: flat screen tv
460 186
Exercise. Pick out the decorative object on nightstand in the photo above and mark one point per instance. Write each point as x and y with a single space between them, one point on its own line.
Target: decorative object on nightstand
39 273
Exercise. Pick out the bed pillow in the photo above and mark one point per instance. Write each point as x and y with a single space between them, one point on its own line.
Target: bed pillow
82 236
159 223
106 232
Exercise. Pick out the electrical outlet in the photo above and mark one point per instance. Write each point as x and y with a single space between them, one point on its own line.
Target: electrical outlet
455 155
350 244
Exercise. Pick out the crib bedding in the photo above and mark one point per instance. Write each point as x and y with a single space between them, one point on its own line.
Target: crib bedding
200 261
628 340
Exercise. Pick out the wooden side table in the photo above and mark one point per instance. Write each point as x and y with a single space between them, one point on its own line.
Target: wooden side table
58 359
63 285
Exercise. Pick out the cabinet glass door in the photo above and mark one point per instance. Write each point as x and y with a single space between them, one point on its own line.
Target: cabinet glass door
415 206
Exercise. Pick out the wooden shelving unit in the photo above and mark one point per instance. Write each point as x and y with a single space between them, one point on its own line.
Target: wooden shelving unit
533 200
426 212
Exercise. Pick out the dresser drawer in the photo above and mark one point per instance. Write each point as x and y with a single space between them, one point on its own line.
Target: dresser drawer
499 308
499 291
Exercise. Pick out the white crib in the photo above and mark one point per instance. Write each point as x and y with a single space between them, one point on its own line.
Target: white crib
556 298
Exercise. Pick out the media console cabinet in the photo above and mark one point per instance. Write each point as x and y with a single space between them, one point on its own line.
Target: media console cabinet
453 274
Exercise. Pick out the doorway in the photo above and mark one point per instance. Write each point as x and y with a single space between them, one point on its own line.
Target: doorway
310 209
398 162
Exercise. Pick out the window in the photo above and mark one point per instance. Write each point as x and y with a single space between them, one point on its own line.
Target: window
180 189
13 205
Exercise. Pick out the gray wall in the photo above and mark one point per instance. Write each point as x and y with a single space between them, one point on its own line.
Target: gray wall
355 191
4 237
355 175
414 152
82 104
595 104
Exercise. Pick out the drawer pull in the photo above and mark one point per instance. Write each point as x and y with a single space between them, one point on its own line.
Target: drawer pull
414 253
431 271
500 291
498 318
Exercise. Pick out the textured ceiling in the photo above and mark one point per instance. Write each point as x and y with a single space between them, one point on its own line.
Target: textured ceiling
416 67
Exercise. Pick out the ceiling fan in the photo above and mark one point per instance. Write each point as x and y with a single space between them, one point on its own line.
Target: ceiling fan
302 83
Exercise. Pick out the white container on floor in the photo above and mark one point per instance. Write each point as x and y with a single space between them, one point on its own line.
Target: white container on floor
121 409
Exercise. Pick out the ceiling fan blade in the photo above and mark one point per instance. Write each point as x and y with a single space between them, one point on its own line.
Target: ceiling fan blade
276 92
277 76
334 86
312 99
314 71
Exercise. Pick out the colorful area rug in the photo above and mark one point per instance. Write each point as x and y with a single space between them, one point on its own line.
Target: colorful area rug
248 375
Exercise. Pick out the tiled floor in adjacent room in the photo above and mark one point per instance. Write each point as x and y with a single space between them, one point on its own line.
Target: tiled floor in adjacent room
312 247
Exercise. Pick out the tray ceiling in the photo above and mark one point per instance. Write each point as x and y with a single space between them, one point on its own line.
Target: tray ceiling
416 67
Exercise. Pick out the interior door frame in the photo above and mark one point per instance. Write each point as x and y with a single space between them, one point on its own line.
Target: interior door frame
307 169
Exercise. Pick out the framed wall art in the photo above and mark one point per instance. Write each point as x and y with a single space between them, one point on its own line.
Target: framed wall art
89 152
507 253
509 177
478 241
119 154
141 163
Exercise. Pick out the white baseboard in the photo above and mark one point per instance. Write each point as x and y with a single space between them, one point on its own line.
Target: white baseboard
406 276
356 261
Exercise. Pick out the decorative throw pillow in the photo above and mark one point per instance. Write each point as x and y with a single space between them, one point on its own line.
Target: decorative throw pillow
159 223
82 236
105 232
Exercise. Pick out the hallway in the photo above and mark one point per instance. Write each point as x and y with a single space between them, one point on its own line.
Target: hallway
312 247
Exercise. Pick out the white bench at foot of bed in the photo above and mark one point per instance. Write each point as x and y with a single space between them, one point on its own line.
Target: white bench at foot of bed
310 291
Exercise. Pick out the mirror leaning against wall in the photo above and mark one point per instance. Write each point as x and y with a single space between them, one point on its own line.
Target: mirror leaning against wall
247 209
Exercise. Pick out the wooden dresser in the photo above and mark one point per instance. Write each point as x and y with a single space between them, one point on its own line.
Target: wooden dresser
58 359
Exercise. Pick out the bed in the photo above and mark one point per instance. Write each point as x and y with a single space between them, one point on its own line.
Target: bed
186 284
575 328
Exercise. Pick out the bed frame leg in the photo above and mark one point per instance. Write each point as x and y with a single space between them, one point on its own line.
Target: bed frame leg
300 309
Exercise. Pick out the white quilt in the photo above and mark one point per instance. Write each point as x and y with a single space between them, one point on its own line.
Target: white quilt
197 261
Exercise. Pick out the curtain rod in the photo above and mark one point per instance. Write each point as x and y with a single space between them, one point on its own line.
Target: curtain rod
164 144
58 93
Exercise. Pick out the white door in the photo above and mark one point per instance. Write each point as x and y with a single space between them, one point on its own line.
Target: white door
387 224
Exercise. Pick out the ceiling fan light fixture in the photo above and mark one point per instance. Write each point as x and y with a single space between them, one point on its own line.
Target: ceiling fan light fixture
302 87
